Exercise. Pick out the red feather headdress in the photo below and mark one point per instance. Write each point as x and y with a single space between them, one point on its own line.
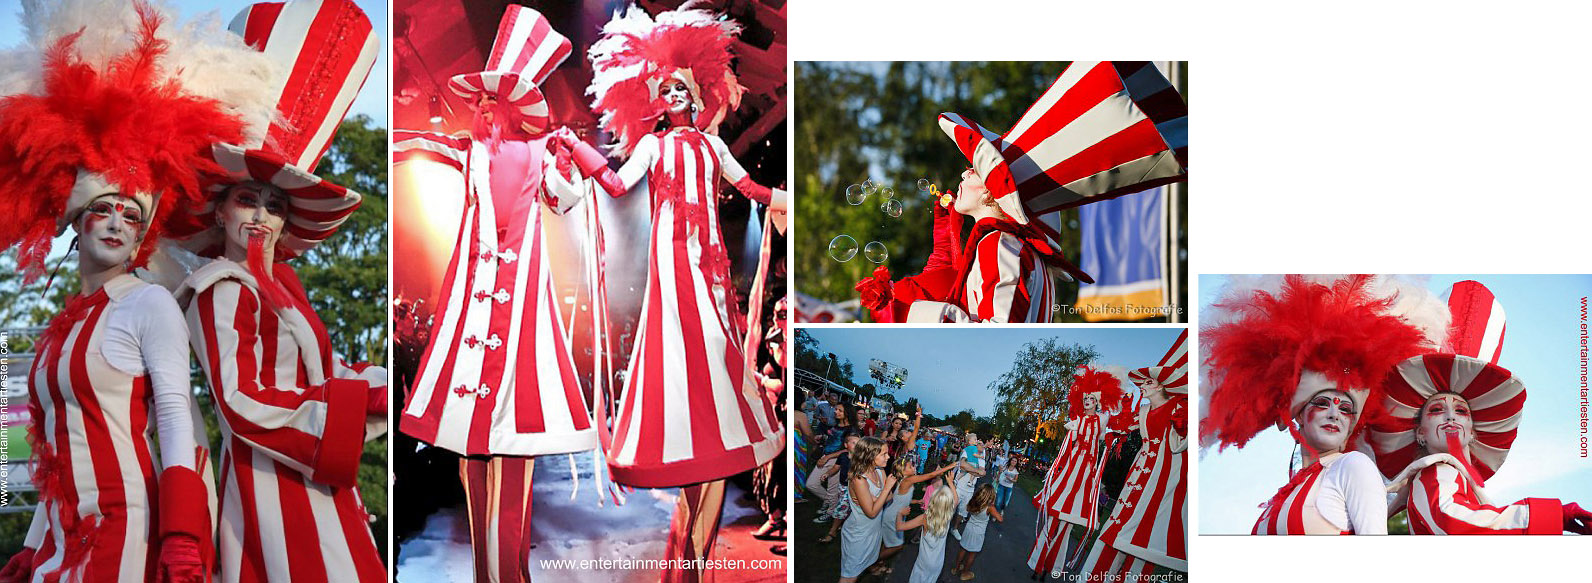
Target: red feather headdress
637 52
125 121
1090 380
1352 330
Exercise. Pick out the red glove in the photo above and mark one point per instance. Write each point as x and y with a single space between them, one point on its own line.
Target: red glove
1577 520
376 401
185 527
947 239
20 568
875 290
591 163
181 560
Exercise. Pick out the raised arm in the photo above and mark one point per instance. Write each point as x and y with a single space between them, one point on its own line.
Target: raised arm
901 523
776 199
918 478
866 501
315 429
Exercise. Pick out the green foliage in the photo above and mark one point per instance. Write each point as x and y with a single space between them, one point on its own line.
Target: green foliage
877 120
1039 379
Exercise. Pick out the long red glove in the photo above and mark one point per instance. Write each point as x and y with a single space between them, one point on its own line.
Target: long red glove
947 240
185 527
591 163
20 568
1577 520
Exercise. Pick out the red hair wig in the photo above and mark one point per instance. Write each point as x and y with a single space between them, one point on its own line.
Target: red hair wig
1090 380
125 122
1254 359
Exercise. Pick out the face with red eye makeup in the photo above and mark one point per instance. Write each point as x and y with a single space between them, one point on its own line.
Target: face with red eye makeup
1326 420
109 231
252 209
971 194
1445 413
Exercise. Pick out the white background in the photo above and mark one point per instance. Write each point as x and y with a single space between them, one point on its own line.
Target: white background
1327 137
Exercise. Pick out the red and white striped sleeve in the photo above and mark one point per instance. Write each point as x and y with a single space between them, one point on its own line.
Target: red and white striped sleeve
410 145
375 378
1001 286
316 430
1446 505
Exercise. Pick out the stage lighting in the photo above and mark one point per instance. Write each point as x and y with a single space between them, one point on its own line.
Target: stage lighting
436 109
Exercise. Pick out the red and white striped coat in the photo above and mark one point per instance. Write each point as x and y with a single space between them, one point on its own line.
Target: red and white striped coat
294 423
1441 501
1343 494
1150 519
498 377
692 410
1075 496
1007 281
96 471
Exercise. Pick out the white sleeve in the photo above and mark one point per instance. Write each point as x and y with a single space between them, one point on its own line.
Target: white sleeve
147 334
559 193
1352 496
641 158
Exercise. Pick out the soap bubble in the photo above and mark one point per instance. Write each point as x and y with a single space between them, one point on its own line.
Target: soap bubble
842 248
891 207
855 195
887 192
875 252
868 187
923 184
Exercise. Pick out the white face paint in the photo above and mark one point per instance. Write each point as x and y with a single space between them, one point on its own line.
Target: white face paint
1326 421
253 209
1091 402
109 231
676 96
971 193
1443 414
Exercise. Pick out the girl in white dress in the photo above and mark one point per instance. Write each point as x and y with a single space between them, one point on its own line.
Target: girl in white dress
936 523
903 469
980 509
859 537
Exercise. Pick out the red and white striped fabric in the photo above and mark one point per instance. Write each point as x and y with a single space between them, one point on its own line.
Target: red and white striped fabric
1076 495
327 48
95 471
524 54
1171 373
1478 324
293 420
1150 521
1497 400
1288 516
497 492
1007 282
1443 501
412 145
1050 539
498 376
692 410
1103 129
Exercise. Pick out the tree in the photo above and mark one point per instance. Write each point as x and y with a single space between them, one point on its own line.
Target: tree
1041 374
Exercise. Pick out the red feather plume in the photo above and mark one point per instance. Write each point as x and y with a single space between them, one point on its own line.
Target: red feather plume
125 122
1091 380
1255 359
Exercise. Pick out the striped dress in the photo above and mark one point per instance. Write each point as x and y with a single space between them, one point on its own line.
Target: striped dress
293 425
1005 280
498 376
1071 492
96 471
1442 502
692 410
1151 519
1343 494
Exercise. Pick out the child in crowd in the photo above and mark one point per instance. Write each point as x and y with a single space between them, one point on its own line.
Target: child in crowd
979 509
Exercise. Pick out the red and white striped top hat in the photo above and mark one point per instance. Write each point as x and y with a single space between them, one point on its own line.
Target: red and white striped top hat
1171 373
1468 367
524 54
326 49
1104 129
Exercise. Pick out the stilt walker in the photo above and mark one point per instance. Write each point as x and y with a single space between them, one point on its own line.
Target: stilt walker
1452 417
1148 526
692 412
98 136
1071 492
497 383
294 416
1101 130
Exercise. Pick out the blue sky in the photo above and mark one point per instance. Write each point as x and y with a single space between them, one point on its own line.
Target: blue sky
372 100
949 368
1541 346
